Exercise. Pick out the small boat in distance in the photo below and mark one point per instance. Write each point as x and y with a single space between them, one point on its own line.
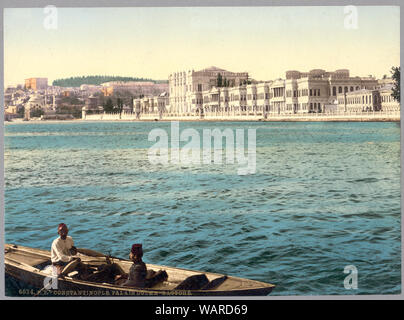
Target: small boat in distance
30 266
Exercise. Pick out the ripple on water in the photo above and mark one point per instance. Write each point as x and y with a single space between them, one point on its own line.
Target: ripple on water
309 210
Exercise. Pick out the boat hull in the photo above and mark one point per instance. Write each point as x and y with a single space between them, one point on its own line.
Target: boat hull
67 286
69 289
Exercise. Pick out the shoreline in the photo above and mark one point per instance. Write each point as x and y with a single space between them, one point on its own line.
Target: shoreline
280 119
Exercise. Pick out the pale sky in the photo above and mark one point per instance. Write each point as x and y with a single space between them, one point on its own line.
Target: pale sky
154 42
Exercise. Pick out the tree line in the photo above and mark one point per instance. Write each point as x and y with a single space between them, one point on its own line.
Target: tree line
96 80
222 82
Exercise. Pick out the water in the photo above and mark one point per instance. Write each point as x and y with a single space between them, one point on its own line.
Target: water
325 195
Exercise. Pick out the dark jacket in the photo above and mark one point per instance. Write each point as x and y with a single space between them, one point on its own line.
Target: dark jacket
137 275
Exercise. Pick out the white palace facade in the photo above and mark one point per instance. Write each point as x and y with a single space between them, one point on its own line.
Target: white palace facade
317 91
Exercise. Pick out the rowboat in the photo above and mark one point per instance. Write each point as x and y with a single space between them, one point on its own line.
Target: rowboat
32 266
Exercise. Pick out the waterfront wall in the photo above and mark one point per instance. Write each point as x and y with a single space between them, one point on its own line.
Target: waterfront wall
247 116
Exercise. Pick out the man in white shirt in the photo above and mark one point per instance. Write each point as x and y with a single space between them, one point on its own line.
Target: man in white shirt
63 249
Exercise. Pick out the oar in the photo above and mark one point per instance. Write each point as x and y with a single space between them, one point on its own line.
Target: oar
93 253
21 263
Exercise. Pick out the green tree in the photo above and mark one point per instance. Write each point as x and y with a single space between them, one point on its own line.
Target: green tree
219 81
124 95
108 106
72 100
36 113
119 106
396 83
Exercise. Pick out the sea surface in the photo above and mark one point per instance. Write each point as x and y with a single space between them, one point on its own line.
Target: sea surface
325 195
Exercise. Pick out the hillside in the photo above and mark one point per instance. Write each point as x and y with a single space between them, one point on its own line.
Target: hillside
97 80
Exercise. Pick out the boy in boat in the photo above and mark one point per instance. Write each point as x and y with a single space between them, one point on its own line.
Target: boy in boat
63 249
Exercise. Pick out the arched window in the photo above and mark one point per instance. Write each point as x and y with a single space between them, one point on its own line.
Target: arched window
339 89
334 91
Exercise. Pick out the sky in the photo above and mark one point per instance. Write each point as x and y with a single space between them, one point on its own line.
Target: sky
154 42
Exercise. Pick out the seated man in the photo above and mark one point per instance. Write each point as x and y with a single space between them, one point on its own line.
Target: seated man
62 250
138 271
138 275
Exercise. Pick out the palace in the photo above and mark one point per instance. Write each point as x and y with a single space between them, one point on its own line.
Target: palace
316 91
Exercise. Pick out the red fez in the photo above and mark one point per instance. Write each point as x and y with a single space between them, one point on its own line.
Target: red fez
61 225
136 248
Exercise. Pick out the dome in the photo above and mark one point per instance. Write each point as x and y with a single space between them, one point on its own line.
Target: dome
35 99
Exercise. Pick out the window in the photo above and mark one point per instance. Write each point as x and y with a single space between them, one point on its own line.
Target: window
339 89
334 91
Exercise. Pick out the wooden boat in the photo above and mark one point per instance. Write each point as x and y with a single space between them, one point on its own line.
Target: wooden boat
28 265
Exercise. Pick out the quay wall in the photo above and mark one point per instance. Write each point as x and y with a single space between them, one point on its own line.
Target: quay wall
225 116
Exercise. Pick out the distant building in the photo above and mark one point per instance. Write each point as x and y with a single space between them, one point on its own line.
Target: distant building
388 103
134 87
36 102
359 101
88 89
91 103
67 93
36 83
10 113
314 90
152 104
385 82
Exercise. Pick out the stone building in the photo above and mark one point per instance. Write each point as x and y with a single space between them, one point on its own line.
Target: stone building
152 104
387 102
185 88
36 83
278 97
363 100
36 102
134 87
315 91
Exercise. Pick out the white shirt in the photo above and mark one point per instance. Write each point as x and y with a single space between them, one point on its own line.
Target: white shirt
60 249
